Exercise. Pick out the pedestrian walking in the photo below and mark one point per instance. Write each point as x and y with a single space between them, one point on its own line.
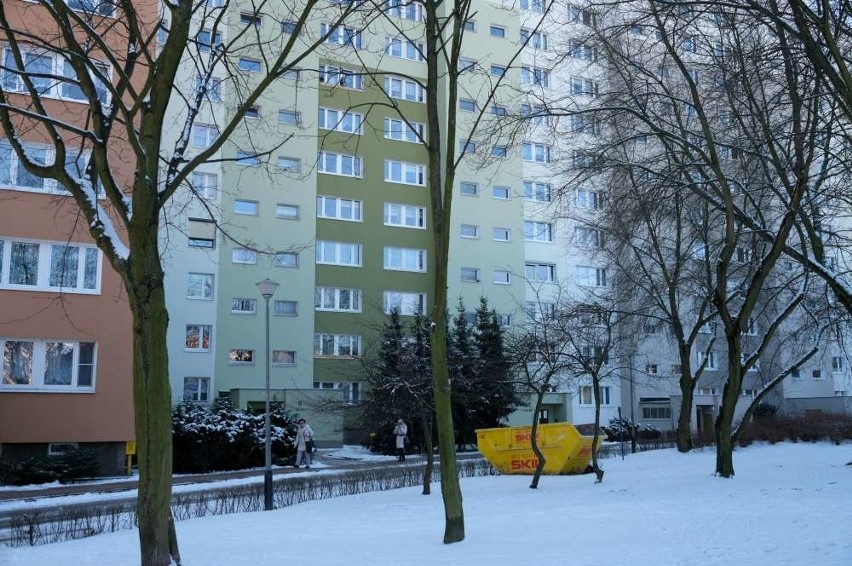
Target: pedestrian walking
400 431
304 443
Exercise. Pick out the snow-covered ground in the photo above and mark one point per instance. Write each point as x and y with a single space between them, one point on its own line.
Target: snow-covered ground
788 504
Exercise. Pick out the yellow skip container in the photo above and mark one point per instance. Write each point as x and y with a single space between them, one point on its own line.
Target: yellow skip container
509 449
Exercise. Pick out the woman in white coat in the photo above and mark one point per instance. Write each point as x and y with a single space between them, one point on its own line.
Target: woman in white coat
304 440
399 431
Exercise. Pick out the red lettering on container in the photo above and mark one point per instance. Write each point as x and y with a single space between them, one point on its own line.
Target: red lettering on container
527 464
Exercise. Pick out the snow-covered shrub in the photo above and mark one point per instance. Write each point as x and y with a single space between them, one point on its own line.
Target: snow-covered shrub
224 438
624 429
75 464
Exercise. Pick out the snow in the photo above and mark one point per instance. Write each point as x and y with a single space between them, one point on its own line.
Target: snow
788 504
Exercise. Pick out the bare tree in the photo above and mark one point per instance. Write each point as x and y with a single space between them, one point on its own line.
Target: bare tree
123 60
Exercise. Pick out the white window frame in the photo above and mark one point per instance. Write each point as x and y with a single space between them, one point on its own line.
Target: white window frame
469 231
408 303
404 259
291 357
340 77
470 275
712 360
200 390
535 152
464 184
404 89
538 192
403 48
205 281
499 234
339 207
400 130
404 173
538 231
333 296
245 207
38 366
405 215
586 395
43 261
238 302
281 207
341 35
289 164
341 121
590 276
338 343
536 76
286 260
205 185
347 254
205 332
588 200
278 311
533 271
537 39
502 277
234 352
244 256
339 161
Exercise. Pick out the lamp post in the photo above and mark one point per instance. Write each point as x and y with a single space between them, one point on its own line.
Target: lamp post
267 289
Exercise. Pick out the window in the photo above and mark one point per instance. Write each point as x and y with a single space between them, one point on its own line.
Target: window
537 152
502 277
587 396
284 357
402 48
288 26
708 359
285 308
587 237
659 413
196 389
201 233
289 117
290 164
651 369
287 211
240 356
246 207
540 192
200 286
48 365
469 25
584 87
243 306
817 374
49 267
340 77
252 113
400 130
591 276
837 364
405 173
534 39
500 151
207 40
469 231
465 65
286 259
501 193
585 124
336 299
498 70
499 110
246 159
587 199
469 189
404 259
338 120
338 253
538 231
470 274
579 50
251 19
203 135
540 272
467 105
339 208
467 146
497 31
540 310
751 327
339 164
339 35
689 44
205 185
535 76
249 65
99 7
405 9
405 215
585 16
501 234
408 304
404 89
536 114
796 373
198 337
337 345
534 5
243 255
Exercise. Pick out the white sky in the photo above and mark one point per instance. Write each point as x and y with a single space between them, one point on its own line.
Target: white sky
788 504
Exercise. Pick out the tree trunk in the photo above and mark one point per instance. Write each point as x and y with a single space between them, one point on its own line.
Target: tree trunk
152 396
599 473
725 419
539 468
430 454
684 419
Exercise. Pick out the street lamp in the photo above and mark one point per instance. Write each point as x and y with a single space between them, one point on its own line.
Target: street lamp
267 289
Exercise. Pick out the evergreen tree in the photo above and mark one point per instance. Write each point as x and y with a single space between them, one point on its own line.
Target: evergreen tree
496 396
462 357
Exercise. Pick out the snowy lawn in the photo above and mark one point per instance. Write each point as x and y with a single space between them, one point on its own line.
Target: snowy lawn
788 504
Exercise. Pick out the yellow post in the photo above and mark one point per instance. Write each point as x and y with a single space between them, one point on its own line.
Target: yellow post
129 451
